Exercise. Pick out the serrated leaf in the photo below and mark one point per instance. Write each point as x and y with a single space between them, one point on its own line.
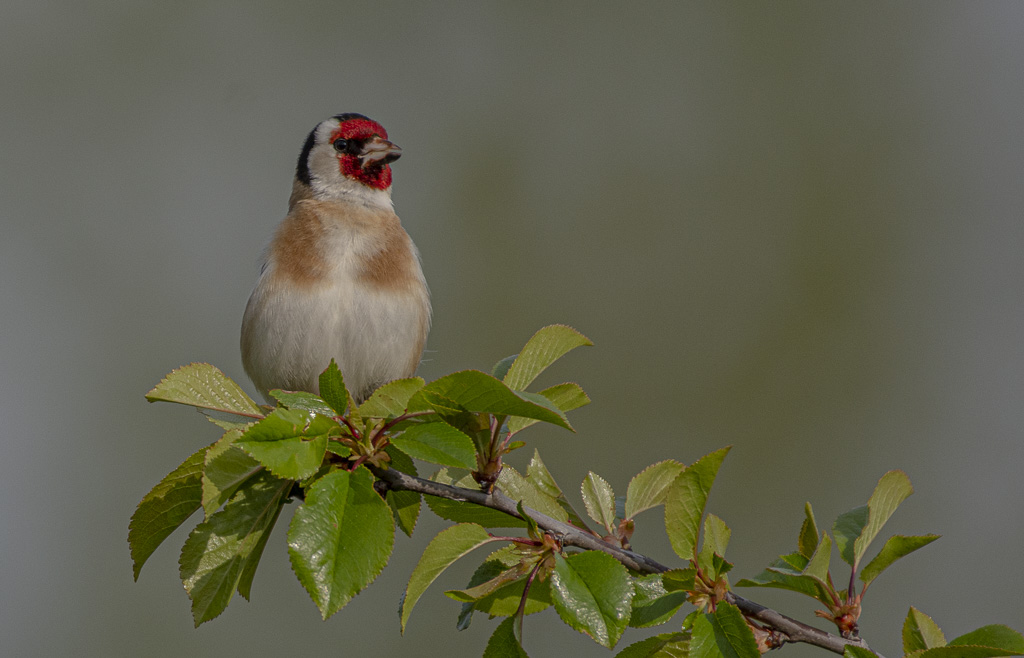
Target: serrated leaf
288 442
892 489
391 399
666 645
518 488
896 547
995 636
503 642
478 392
716 540
332 389
164 508
226 467
220 555
846 528
405 505
807 543
567 396
723 633
593 594
538 475
505 600
785 573
652 603
679 580
920 632
817 566
340 540
443 550
438 443
204 386
685 501
599 500
304 401
650 485
544 348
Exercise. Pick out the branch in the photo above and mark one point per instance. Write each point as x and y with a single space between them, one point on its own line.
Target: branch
570 535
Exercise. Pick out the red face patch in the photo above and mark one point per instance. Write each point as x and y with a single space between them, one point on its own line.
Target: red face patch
375 176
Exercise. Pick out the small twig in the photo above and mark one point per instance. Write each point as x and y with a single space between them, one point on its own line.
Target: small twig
570 535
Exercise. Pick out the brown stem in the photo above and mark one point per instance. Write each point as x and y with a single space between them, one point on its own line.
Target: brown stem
570 535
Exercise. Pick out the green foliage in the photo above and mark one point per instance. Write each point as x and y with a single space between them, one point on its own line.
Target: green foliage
723 633
334 458
340 540
922 638
593 594
220 555
164 508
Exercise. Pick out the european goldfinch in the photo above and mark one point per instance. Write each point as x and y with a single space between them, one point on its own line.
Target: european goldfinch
342 278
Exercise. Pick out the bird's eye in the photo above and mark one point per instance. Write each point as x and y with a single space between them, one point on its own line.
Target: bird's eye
340 145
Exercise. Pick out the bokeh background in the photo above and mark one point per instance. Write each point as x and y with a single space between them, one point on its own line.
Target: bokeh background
794 228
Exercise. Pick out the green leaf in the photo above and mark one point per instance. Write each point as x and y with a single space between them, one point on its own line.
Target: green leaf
221 555
226 468
649 487
850 651
288 443
304 401
518 488
164 508
201 385
921 632
599 499
478 392
716 540
544 348
340 540
504 601
847 527
332 389
666 645
443 550
503 642
896 547
817 566
539 476
995 636
679 580
807 543
500 368
593 593
405 505
785 573
488 587
723 633
567 396
652 604
391 399
685 501
892 489
438 443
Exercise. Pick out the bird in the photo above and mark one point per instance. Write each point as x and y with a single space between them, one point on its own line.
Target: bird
341 279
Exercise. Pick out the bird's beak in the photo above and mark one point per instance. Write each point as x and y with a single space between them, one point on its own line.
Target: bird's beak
378 151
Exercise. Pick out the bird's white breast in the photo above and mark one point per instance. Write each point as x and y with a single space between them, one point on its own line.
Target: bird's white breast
373 327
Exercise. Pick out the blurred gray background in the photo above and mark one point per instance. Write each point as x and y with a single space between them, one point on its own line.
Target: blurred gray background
794 228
